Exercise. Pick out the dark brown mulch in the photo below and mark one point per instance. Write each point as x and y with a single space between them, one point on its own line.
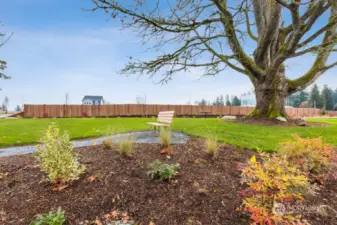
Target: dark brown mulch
205 191
291 122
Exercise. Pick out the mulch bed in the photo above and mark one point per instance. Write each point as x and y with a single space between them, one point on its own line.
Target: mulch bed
291 122
204 192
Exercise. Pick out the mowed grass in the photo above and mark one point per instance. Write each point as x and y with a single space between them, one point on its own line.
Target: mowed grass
28 131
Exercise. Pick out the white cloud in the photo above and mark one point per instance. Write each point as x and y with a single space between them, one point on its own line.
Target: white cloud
45 64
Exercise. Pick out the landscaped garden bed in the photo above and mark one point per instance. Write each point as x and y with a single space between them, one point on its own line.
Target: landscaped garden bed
205 191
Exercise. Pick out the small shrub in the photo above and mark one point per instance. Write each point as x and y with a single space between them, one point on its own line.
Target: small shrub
312 156
125 146
56 157
212 146
324 110
271 184
162 171
51 218
165 136
107 143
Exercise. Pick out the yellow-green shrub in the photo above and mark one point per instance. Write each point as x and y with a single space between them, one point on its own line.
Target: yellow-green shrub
165 136
125 146
211 146
269 184
312 156
56 157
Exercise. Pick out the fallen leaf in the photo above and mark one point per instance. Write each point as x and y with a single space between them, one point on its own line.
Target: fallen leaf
114 214
59 187
91 178
98 222
164 151
151 223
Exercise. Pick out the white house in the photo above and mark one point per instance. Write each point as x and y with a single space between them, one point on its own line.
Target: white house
92 100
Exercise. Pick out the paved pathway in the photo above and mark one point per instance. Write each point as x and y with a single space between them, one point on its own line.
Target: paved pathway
138 137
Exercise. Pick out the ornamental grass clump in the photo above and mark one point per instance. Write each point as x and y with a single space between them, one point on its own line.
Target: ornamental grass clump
56 157
107 143
126 146
310 155
211 146
165 136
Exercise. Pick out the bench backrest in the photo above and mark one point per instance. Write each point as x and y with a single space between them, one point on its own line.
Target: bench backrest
165 117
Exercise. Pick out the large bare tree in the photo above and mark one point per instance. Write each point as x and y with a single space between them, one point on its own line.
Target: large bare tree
213 35
3 64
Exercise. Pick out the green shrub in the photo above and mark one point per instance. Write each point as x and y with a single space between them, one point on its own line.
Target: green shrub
312 156
212 146
162 171
165 136
51 218
126 146
56 157
107 143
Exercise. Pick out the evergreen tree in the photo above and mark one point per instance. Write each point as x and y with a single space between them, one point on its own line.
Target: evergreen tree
228 103
219 101
297 99
293 100
216 101
18 108
5 104
202 102
303 96
316 99
335 97
327 95
236 101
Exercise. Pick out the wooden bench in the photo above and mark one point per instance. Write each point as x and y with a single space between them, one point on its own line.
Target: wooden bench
164 119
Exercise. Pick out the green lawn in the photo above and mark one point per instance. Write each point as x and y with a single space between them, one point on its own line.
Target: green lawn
28 131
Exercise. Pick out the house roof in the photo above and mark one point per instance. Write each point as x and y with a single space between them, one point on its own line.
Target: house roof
93 97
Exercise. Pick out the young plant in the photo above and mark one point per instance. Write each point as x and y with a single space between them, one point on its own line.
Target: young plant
51 218
165 136
312 156
162 171
212 146
56 157
272 184
125 146
107 143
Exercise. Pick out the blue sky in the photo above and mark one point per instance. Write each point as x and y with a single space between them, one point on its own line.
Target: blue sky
57 48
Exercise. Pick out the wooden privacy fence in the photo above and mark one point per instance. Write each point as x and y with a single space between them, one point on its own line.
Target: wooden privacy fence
59 111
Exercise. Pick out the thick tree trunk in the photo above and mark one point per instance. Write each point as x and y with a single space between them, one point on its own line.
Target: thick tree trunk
270 97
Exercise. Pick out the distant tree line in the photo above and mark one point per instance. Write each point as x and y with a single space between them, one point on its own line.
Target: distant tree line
325 99
220 101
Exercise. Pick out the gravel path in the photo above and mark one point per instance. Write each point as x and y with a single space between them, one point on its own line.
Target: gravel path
139 137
